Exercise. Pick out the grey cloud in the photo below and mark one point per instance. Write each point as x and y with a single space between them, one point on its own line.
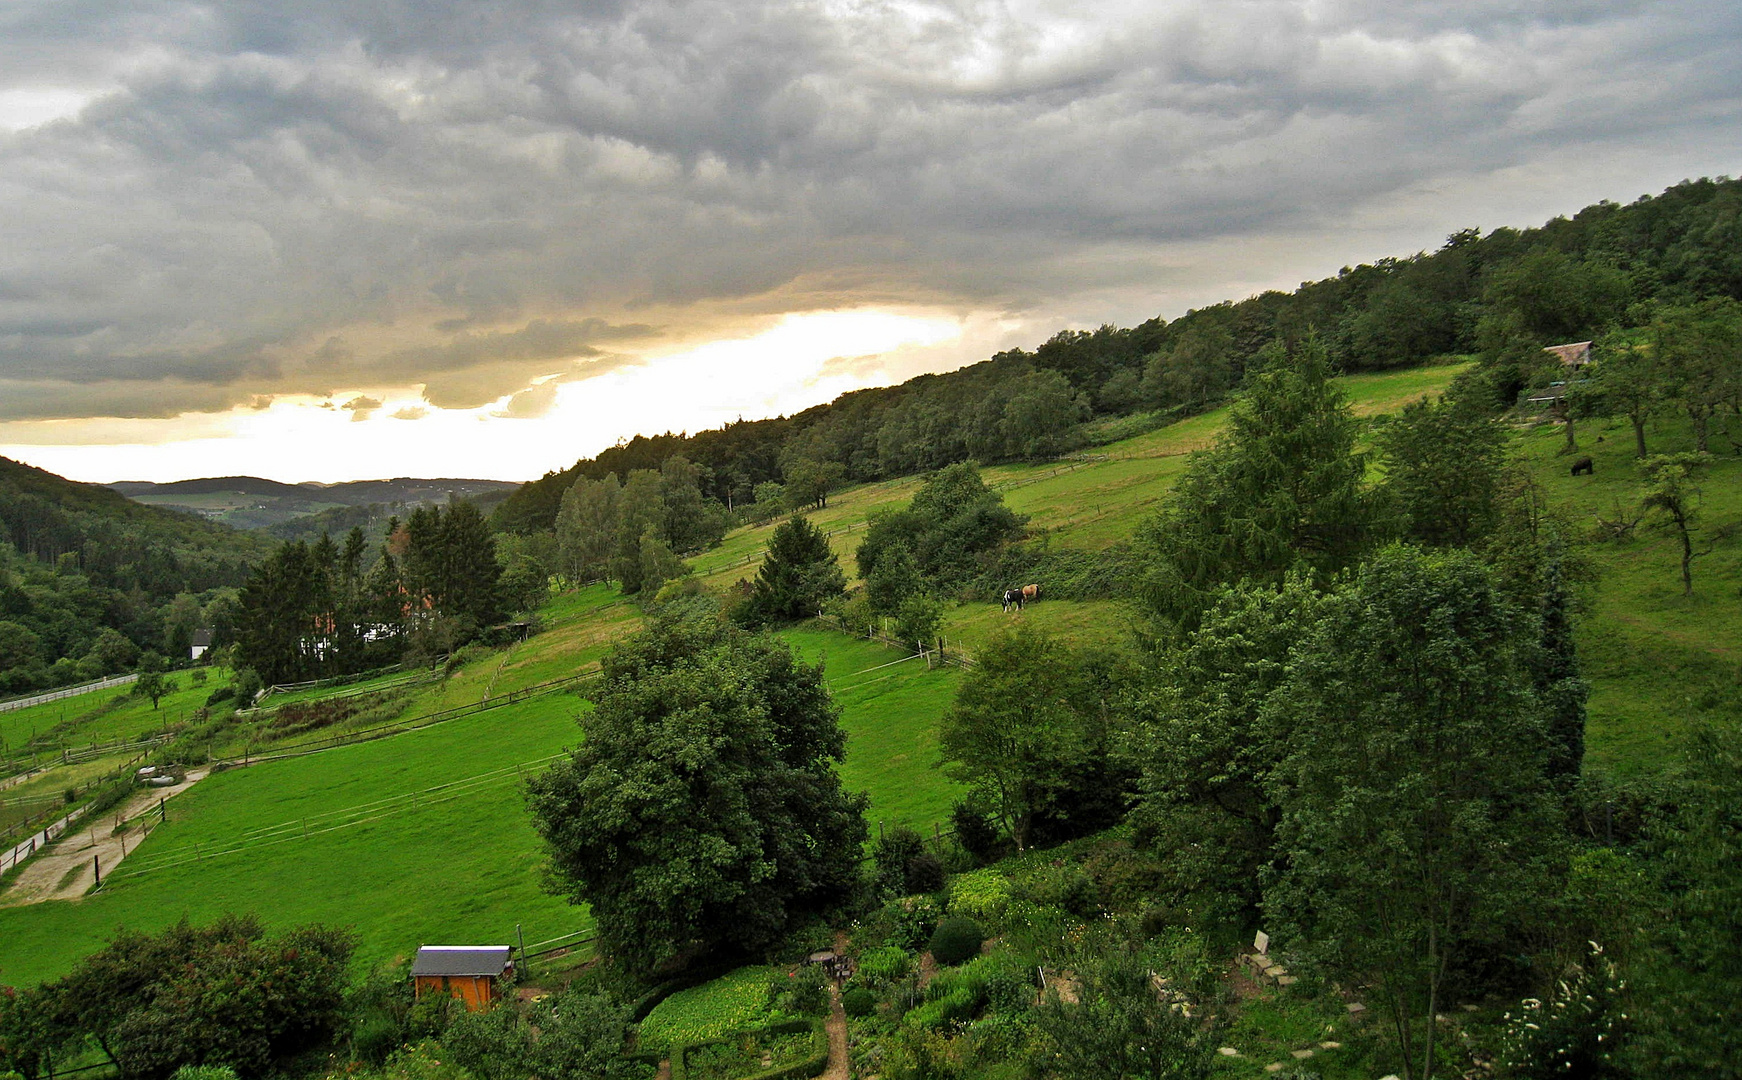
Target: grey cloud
474 196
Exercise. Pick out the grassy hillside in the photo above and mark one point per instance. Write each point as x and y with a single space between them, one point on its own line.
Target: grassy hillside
407 860
1656 660
420 838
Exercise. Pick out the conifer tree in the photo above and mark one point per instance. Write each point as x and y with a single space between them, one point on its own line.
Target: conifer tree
798 575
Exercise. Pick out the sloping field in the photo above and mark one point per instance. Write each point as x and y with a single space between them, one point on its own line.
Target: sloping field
416 839
1656 659
1089 500
890 704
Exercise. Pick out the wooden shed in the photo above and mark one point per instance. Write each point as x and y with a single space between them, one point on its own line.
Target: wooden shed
471 973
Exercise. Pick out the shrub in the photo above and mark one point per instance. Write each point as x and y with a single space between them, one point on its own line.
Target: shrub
974 831
204 1072
911 921
956 939
220 695
248 687
893 853
925 873
803 992
1065 887
880 967
859 1001
983 894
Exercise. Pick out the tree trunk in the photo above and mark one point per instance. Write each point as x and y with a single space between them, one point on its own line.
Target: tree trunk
1638 433
1687 558
1572 438
1699 418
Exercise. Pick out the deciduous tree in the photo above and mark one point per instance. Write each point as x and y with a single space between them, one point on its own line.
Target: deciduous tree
1415 827
702 809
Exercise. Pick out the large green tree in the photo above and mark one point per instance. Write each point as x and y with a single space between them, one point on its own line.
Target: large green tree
1204 751
799 574
953 518
226 994
702 809
1416 831
586 527
1017 731
1686 983
1282 489
1442 462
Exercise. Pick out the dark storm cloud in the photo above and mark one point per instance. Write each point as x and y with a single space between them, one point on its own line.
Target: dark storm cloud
474 196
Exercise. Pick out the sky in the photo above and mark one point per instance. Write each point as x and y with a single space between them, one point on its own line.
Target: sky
341 240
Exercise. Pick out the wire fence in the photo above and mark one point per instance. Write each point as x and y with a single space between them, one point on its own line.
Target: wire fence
942 650
66 692
279 751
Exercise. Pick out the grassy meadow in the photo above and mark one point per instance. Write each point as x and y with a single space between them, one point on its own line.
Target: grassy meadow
422 837
417 839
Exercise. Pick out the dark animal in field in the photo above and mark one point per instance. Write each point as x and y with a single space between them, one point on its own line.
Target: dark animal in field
1012 599
1030 593
1585 465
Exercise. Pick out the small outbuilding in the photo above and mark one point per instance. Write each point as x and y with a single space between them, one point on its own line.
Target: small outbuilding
472 973
1573 355
200 645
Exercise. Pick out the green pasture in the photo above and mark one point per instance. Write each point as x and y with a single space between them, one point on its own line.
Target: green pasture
890 705
1656 660
1088 500
107 715
412 840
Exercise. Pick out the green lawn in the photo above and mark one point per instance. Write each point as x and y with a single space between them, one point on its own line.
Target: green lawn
417 839
890 706
1656 660
107 715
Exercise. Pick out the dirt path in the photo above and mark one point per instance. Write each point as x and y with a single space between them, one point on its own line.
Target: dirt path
66 870
840 1065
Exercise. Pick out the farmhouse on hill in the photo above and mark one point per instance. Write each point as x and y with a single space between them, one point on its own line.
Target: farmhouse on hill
468 972
200 644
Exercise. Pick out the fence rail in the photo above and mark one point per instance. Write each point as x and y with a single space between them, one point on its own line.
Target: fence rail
955 654
66 692
400 727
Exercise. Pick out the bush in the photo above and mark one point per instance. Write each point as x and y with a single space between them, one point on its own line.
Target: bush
983 894
892 852
880 967
859 1001
220 695
1065 887
910 921
803 992
955 940
925 873
974 831
248 687
204 1072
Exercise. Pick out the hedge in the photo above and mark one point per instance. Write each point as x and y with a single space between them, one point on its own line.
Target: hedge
799 1070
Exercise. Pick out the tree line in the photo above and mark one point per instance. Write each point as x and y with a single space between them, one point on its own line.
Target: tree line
1503 293
321 609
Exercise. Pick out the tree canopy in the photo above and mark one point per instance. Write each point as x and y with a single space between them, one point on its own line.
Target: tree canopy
702 810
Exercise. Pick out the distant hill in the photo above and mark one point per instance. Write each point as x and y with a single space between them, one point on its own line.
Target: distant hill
250 502
88 578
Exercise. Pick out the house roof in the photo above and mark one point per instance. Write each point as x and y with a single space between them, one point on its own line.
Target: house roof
489 960
202 639
1572 354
